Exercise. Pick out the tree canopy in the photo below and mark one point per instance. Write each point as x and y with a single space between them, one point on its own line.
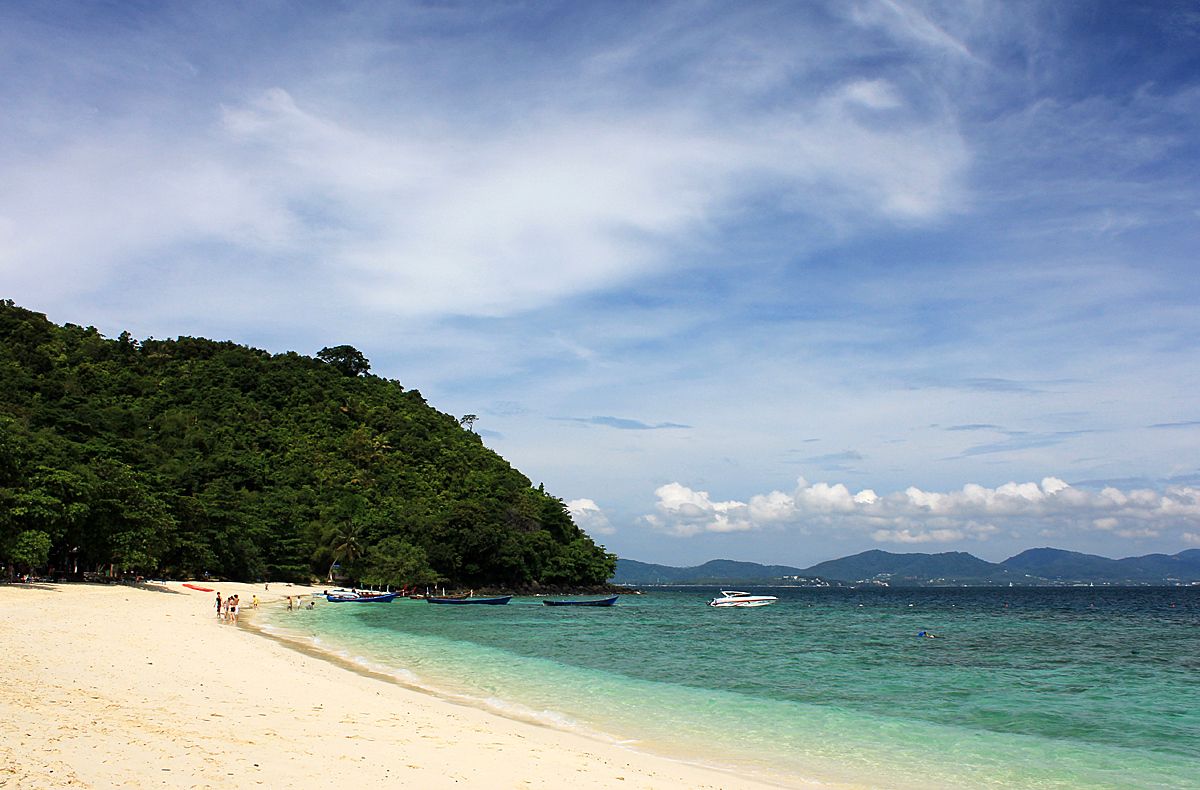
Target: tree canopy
347 359
190 455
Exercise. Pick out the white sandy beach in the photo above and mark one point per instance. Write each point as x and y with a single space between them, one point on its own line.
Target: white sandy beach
108 686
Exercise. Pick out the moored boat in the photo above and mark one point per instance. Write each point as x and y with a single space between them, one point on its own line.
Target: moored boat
742 599
599 602
356 598
500 601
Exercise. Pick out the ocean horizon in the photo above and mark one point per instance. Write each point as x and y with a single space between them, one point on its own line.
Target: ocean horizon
1064 688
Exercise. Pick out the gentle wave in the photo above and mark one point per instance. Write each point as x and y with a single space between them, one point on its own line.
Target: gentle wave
1053 689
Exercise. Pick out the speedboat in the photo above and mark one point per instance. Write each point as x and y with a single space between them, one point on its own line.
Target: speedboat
736 598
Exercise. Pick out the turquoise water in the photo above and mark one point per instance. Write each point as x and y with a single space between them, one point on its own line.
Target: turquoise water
1047 688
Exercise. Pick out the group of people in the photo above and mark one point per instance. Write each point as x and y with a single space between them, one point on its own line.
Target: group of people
297 607
228 609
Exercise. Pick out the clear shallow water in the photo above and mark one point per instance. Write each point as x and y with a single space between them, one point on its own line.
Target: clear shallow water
1047 688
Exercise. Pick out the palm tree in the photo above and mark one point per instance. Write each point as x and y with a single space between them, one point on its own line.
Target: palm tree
345 541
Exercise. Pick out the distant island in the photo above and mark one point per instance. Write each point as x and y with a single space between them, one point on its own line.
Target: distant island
1031 568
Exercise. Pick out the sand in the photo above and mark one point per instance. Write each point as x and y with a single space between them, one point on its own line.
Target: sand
143 687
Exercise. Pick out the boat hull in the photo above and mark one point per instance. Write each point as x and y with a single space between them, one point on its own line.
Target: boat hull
741 604
735 599
600 602
385 598
485 601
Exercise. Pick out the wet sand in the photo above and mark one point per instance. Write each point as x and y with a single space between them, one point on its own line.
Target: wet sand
144 687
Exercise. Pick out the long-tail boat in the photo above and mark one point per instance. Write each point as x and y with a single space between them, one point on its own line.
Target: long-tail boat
598 602
489 601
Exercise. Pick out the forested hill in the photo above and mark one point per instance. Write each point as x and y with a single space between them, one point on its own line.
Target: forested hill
189 456
1033 567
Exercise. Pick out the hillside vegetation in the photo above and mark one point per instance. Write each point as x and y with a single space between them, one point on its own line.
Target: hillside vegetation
193 456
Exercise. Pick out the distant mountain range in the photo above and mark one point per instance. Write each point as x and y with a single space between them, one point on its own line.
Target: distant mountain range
1034 567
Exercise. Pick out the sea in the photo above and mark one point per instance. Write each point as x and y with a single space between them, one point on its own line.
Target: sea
1018 688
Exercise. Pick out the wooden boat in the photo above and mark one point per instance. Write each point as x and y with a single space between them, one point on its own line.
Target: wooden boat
380 598
339 593
599 602
489 601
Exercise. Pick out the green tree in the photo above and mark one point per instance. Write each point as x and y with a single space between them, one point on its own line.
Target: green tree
127 526
581 562
397 563
347 359
344 540
32 549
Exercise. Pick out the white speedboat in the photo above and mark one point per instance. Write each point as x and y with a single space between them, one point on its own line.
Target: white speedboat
735 598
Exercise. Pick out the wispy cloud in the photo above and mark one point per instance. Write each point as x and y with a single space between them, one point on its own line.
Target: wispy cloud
990 385
846 455
833 462
480 200
1016 442
623 424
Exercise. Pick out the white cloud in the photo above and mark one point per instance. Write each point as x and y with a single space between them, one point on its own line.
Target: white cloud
876 94
1138 534
416 203
589 517
921 536
904 21
683 512
914 516
450 220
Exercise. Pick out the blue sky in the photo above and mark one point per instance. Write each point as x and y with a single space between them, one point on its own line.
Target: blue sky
768 281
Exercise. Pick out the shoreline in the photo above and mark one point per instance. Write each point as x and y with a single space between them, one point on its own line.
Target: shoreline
141 686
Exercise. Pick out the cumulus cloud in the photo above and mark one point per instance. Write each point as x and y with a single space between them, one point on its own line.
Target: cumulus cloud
915 516
589 517
683 512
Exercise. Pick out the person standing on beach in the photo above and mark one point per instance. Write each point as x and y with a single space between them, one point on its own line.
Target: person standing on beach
233 609
255 601
218 604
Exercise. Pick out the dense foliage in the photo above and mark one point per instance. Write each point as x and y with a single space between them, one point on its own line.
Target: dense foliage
189 456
